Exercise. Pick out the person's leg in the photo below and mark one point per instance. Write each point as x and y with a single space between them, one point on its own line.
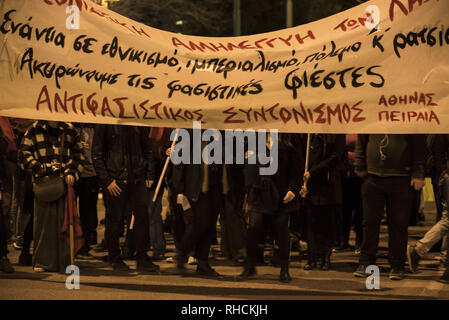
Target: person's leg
373 197
5 264
398 211
115 208
235 229
83 200
432 236
358 213
138 200
312 245
348 207
156 225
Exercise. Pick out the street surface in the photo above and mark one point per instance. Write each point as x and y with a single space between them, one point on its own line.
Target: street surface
98 281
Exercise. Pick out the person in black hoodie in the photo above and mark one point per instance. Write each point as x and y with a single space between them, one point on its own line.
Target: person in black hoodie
322 193
123 160
391 164
273 197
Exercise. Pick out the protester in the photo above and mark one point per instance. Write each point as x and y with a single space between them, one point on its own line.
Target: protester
273 197
323 193
51 150
352 197
123 161
5 264
87 189
391 166
199 190
439 155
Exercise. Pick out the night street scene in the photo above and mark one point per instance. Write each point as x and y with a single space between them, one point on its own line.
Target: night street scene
224 159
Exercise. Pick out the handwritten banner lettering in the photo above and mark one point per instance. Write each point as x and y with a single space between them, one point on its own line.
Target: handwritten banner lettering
380 67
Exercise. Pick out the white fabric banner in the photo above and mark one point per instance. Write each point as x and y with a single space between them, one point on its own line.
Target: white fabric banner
380 67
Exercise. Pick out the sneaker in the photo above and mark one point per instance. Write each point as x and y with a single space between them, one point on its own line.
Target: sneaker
248 272
146 265
25 259
6 266
18 244
192 261
38 269
170 260
445 277
397 273
360 272
118 265
413 258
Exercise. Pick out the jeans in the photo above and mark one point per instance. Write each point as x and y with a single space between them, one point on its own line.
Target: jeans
441 228
135 197
395 194
434 235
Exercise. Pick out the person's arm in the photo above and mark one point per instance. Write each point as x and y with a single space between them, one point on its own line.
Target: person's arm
330 163
76 162
147 152
418 149
360 163
99 146
26 158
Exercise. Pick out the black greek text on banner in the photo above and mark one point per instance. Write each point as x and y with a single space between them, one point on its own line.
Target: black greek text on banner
380 67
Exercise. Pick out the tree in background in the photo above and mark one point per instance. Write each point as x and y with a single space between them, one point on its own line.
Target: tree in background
213 18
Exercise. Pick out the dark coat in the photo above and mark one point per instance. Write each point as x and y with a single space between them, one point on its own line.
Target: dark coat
117 148
266 193
325 166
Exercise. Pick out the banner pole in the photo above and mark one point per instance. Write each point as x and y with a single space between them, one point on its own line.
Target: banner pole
161 178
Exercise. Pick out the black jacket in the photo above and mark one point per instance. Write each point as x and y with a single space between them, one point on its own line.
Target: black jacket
118 149
266 193
325 167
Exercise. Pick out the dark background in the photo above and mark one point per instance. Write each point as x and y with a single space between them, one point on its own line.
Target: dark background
214 18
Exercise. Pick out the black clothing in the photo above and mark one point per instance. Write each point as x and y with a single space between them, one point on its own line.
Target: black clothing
122 153
395 194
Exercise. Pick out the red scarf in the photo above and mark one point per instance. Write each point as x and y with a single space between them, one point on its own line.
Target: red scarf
71 217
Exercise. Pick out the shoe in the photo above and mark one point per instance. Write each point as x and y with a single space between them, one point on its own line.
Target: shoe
146 265
310 265
248 272
360 272
204 269
357 251
192 261
118 265
6 266
25 259
84 255
170 260
180 260
397 273
38 269
445 277
284 275
413 258
17 245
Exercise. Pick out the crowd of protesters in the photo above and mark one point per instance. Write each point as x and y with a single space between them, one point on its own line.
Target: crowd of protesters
325 185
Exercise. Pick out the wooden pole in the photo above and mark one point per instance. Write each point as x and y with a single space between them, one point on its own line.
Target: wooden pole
306 168
161 178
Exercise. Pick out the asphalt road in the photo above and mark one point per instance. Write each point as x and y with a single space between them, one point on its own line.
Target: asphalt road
98 281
